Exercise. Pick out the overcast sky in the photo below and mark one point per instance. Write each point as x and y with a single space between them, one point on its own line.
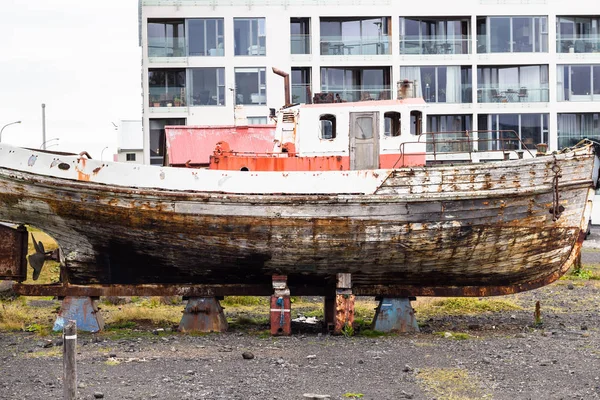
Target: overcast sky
80 58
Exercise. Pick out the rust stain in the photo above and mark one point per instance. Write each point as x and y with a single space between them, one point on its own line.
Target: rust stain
96 170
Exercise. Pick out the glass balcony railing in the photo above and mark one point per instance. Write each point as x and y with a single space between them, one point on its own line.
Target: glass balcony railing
359 93
300 44
301 93
358 45
172 97
512 93
414 44
581 44
459 93
166 47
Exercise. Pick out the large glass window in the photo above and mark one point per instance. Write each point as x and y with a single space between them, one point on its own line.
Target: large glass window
512 34
574 127
166 87
450 84
428 35
578 34
512 83
205 37
207 86
578 82
157 138
356 84
512 131
251 86
301 91
449 133
300 35
249 36
166 38
352 36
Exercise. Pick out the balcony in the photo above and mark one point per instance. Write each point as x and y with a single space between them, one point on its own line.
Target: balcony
581 44
300 44
512 93
166 47
415 44
357 45
342 94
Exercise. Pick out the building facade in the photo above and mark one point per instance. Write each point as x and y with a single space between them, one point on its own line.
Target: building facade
130 142
481 65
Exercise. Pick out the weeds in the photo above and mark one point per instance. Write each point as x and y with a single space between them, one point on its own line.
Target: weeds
464 305
451 384
353 395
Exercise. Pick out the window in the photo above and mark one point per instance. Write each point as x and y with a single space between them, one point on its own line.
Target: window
574 127
416 122
391 123
207 86
327 123
249 36
251 86
449 132
157 138
451 84
300 35
511 131
257 120
578 34
578 82
301 85
428 35
167 87
130 156
205 37
357 84
355 35
512 83
512 34
166 38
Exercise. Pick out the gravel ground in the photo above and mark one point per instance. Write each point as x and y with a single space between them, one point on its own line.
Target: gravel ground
503 357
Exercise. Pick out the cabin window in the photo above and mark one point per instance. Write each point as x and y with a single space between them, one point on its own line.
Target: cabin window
416 122
327 122
130 156
392 123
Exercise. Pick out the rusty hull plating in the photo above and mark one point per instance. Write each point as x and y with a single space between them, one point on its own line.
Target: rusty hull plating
473 230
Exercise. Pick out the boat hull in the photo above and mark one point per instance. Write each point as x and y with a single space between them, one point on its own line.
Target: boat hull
470 230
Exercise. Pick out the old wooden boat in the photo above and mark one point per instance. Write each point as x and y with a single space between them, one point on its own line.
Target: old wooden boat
474 229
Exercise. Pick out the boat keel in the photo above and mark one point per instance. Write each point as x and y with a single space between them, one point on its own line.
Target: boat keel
81 309
203 314
395 315
339 309
281 319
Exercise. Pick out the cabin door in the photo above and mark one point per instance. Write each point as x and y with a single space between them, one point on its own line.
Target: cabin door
364 140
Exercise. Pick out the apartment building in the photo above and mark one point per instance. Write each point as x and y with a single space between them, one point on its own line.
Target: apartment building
532 66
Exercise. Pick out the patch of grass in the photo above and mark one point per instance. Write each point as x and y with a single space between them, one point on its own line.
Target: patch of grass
464 305
112 361
121 325
245 321
16 315
353 395
146 311
451 384
371 333
51 352
51 270
232 301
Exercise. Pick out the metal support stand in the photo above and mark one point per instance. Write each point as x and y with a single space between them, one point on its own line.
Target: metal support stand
281 319
203 314
83 310
339 309
395 315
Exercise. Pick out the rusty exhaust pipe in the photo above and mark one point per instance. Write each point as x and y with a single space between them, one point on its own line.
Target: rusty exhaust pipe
286 83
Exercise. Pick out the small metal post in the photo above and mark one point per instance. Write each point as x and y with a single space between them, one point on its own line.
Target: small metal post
69 363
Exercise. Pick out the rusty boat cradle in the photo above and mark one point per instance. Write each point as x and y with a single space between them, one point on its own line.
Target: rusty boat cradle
443 230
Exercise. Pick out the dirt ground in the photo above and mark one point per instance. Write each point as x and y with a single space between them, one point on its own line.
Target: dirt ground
489 355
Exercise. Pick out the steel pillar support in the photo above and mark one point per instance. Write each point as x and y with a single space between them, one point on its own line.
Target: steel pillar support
339 308
81 309
395 315
281 318
203 314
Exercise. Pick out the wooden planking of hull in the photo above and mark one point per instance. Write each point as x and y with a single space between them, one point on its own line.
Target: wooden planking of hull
475 230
